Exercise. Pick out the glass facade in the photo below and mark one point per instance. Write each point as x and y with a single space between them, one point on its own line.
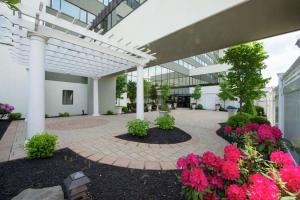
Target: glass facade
72 10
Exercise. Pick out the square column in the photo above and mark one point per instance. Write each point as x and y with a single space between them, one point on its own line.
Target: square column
95 98
36 93
280 103
140 93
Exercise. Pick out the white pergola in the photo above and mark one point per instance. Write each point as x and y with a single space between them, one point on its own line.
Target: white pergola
44 42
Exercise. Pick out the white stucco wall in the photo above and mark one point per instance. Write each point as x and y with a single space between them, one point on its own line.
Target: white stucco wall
54 90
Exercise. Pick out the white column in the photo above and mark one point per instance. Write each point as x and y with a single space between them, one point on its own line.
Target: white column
36 94
96 98
140 93
280 102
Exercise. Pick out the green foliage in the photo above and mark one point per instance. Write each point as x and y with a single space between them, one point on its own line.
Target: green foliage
164 107
197 93
11 4
260 120
147 88
131 91
166 122
244 78
239 120
165 92
65 114
120 86
249 108
199 107
260 110
138 127
124 109
14 116
41 146
225 93
109 112
153 93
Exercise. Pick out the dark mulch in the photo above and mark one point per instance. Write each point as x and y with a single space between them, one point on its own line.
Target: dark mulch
107 182
221 133
159 136
4 124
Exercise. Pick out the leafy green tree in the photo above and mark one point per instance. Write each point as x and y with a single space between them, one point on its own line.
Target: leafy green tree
165 92
245 80
11 4
131 91
225 93
120 87
153 93
147 87
197 93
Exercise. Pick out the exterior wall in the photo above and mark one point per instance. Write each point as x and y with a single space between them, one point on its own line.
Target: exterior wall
107 93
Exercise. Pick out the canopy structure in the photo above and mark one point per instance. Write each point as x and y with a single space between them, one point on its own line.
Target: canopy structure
70 48
44 42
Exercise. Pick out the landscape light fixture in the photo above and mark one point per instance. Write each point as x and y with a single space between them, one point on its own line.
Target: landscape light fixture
76 186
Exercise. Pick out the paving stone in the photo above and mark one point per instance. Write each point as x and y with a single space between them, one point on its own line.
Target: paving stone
152 165
109 159
167 165
137 164
96 157
122 162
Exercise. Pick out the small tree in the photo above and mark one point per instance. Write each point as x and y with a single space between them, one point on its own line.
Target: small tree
120 87
131 91
225 93
165 92
153 93
11 4
245 80
197 93
147 87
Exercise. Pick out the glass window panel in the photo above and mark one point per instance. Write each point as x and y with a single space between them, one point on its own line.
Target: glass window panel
67 97
90 18
83 16
55 4
70 9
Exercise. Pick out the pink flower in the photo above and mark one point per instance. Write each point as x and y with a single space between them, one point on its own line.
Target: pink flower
198 179
276 132
232 153
238 131
234 192
211 160
265 133
185 176
251 127
230 170
215 181
193 160
291 175
281 158
182 163
228 129
211 196
261 188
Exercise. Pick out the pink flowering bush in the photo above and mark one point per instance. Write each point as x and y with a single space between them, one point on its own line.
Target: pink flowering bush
5 109
242 174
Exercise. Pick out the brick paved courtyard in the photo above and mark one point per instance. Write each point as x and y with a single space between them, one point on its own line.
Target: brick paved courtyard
93 137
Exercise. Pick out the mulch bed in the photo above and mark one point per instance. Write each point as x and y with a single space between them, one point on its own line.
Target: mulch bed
4 124
221 133
159 136
107 182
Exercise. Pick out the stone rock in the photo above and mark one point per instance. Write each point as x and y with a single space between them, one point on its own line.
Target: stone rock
49 193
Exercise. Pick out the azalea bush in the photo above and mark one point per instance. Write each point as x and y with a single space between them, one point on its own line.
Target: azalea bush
5 109
265 137
240 175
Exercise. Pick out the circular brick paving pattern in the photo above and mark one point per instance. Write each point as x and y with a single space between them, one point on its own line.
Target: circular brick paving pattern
70 123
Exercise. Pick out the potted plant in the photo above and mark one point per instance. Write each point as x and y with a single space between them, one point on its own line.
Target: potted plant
131 94
153 97
196 95
163 110
165 94
217 107
120 90
231 111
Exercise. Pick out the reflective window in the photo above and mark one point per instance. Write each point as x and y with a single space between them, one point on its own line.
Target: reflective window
67 97
70 9
55 4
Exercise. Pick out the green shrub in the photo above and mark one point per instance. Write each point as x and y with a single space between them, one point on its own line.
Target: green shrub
138 127
260 110
14 116
65 114
154 106
165 122
41 146
239 120
199 107
260 120
124 109
249 108
109 112
164 107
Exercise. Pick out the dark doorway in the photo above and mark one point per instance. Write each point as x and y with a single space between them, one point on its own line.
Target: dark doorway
183 101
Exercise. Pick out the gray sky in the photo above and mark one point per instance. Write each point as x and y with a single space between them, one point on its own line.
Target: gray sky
282 53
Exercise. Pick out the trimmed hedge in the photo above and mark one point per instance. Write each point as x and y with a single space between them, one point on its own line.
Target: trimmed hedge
14 116
260 120
239 120
199 107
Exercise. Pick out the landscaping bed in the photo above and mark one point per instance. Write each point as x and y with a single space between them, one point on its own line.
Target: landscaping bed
159 136
4 124
220 132
107 182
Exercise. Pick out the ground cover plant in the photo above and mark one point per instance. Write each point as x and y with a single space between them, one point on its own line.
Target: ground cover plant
165 122
41 146
65 114
138 127
14 116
